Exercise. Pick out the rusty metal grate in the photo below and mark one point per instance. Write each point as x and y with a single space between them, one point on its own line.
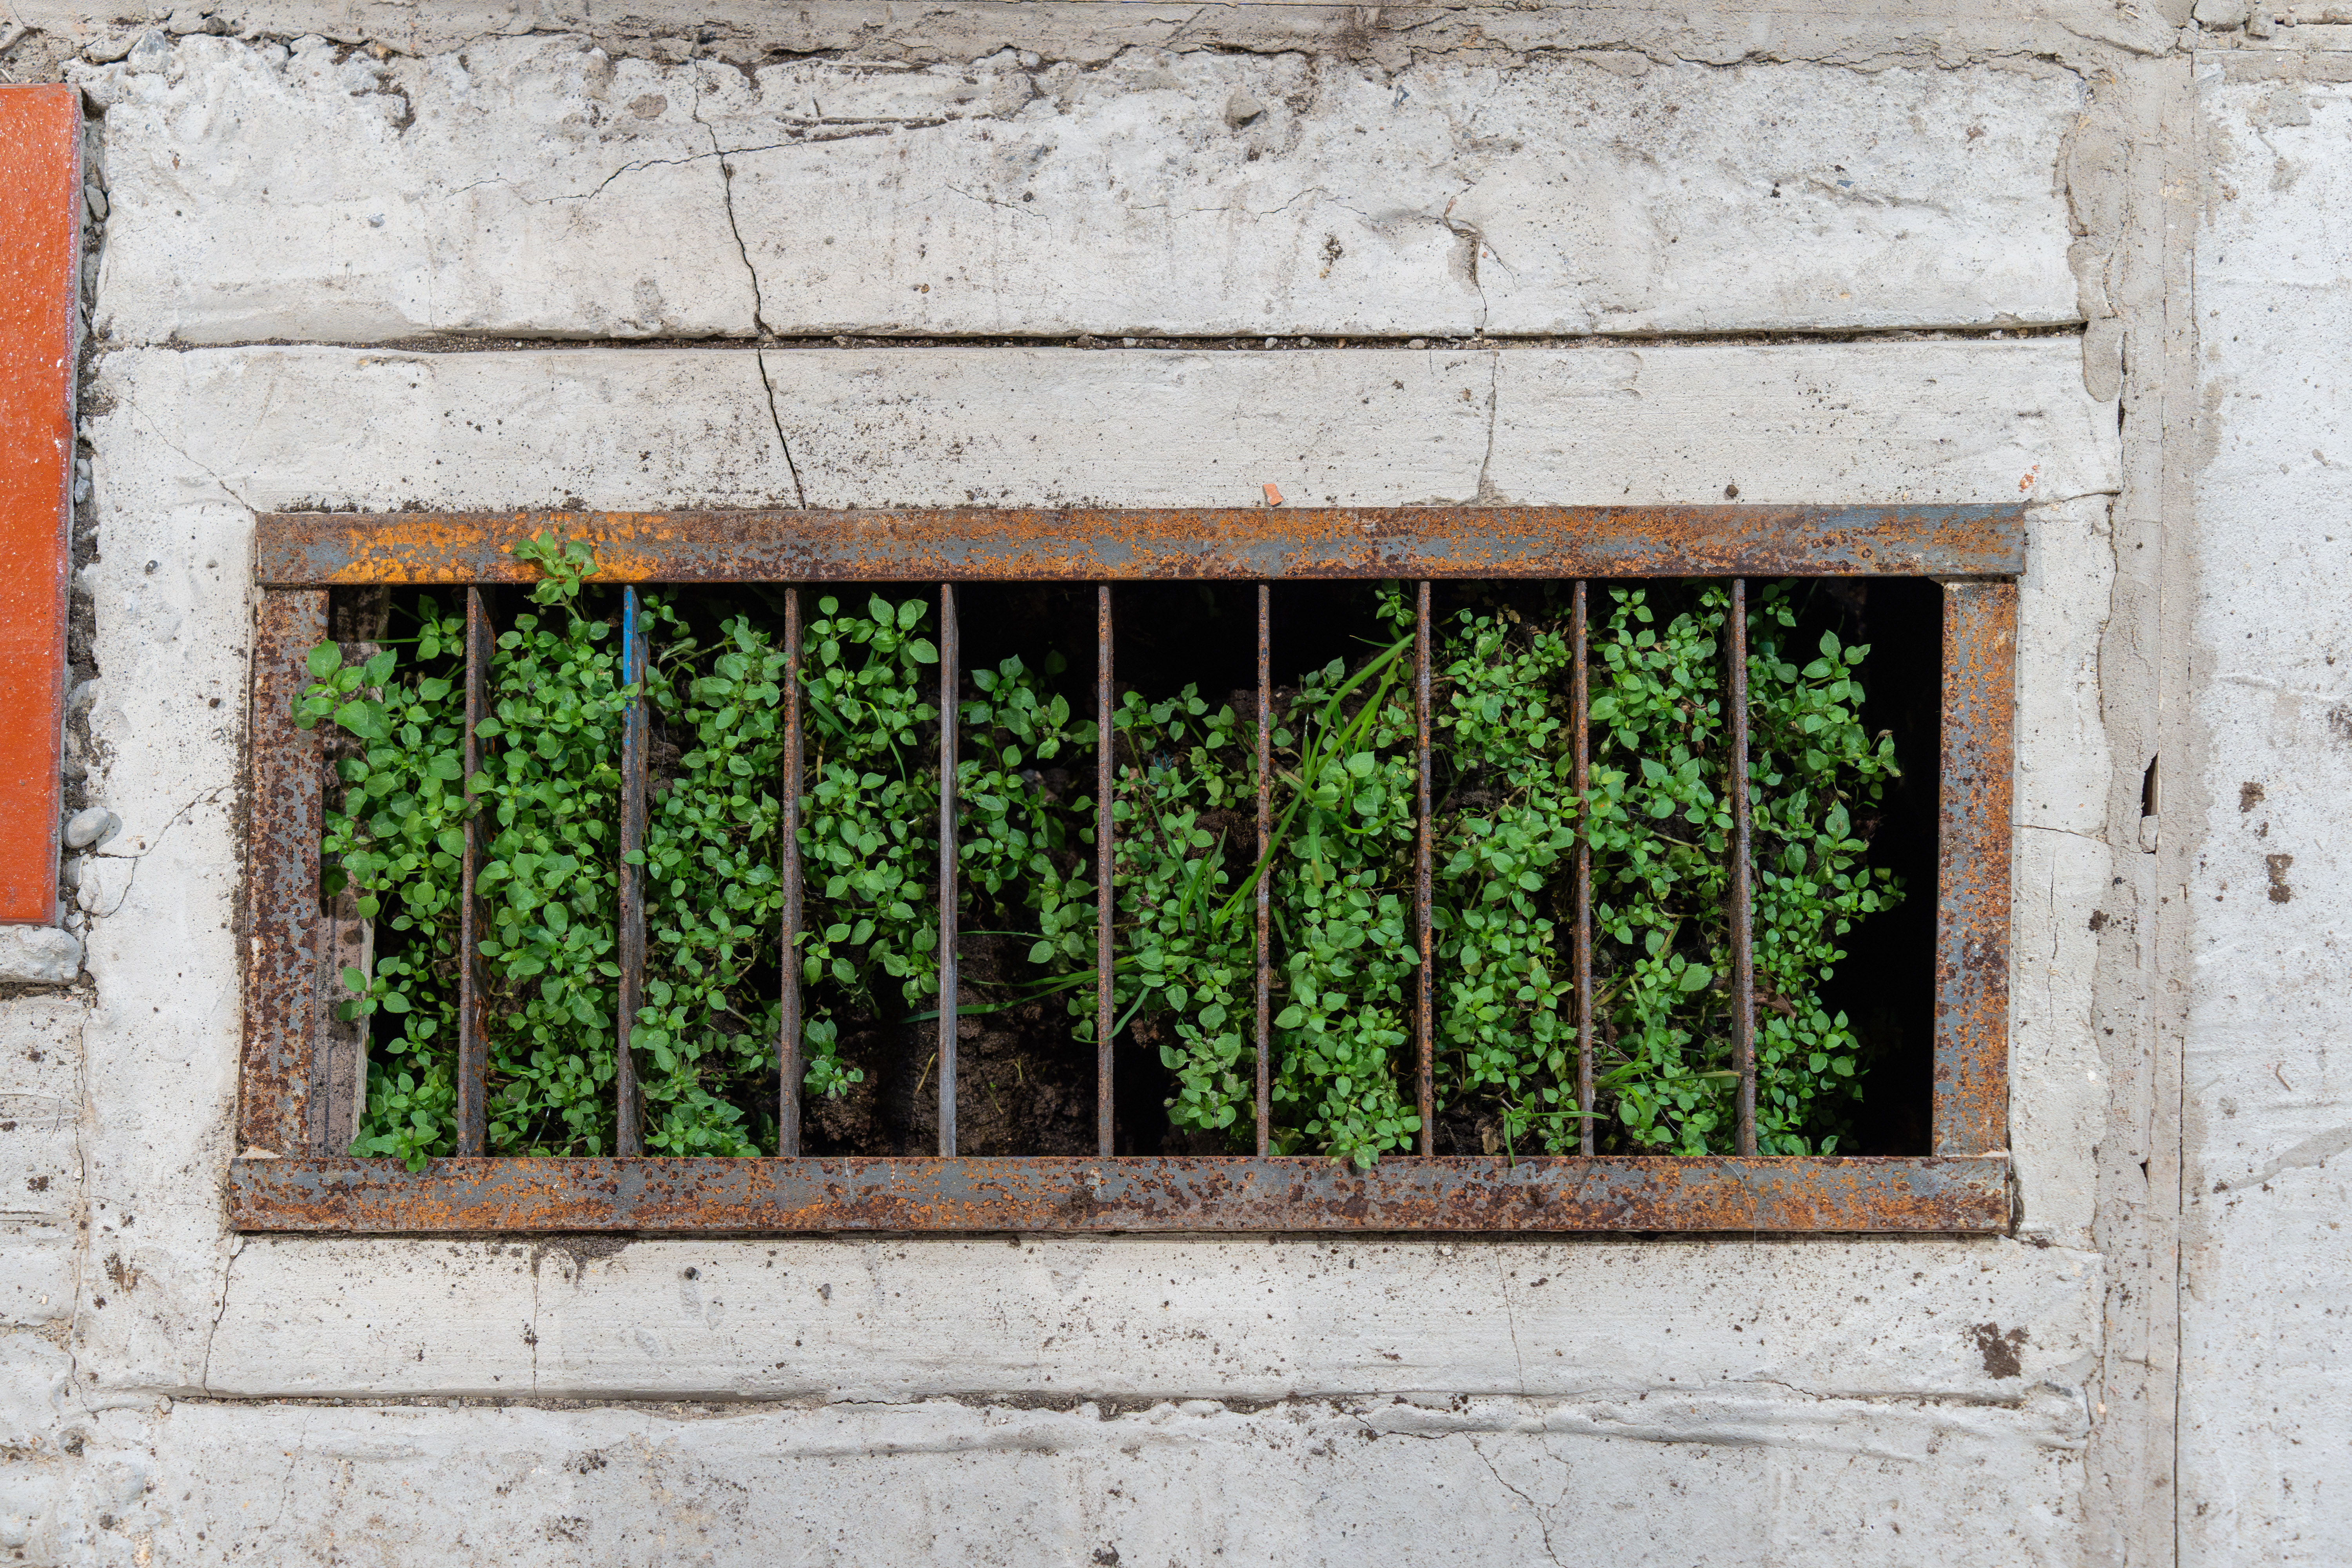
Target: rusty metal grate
288 1179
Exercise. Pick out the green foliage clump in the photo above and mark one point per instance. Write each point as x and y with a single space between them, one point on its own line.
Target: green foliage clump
1811 763
1506 831
546 800
1343 900
1185 883
1506 836
394 841
1187 948
549 794
1661 834
705 1042
869 833
869 828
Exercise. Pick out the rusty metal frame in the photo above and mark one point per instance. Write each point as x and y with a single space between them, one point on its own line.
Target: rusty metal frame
285 1181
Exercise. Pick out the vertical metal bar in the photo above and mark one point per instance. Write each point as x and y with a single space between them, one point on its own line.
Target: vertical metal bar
789 1070
284 989
1743 953
1972 1094
628 1137
473 1048
1425 1032
1105 1117
1266 868
949 681
1580 719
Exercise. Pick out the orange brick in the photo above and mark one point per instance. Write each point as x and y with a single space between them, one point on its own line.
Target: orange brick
40 251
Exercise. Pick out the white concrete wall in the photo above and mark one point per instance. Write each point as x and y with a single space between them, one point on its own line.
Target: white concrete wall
1819 254
2268 1109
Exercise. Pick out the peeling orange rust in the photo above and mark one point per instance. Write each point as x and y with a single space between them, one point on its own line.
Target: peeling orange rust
1265 1194
1971 1090
1080 544
284 988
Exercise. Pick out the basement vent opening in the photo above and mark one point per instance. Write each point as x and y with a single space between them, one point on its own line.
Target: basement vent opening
733 872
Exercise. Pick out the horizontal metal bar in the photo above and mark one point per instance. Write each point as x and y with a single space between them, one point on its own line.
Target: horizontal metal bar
1238 1193
978 543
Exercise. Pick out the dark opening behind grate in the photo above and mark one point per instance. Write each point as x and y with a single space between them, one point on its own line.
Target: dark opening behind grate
1025 1084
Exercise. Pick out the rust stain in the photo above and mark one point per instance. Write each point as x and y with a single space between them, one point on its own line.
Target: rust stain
1264 1194
1081 545
1425 998
1582 719
473 984
1971 1103
628 1134
2003 1353
283 988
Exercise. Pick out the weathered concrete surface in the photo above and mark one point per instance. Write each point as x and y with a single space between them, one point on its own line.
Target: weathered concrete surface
38 955
2264 1433
539 186
1968 420
187 441
41 1113
891 1322
1789 1401
1625 1481
2076 34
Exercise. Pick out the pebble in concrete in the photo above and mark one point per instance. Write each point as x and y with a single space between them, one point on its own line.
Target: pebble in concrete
86 829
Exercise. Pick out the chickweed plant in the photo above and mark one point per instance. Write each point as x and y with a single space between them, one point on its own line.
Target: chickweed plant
1506 825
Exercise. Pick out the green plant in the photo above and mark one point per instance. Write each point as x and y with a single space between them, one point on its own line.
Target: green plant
1505 829
871 929
1504 833
705 1044
1661 830
1185 893
1812 767
1186 949
394 840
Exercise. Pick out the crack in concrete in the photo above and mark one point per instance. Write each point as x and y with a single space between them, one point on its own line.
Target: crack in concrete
230 490
2069 832
1510 1314
993 202
207 798
758 314
1542 1525
228 1271
1486 496
1472 237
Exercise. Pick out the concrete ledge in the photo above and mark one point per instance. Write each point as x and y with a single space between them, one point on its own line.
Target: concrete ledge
289 429
535 186
1620 1479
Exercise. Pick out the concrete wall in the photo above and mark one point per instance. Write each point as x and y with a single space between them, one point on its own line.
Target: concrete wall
2267 1083
377 256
